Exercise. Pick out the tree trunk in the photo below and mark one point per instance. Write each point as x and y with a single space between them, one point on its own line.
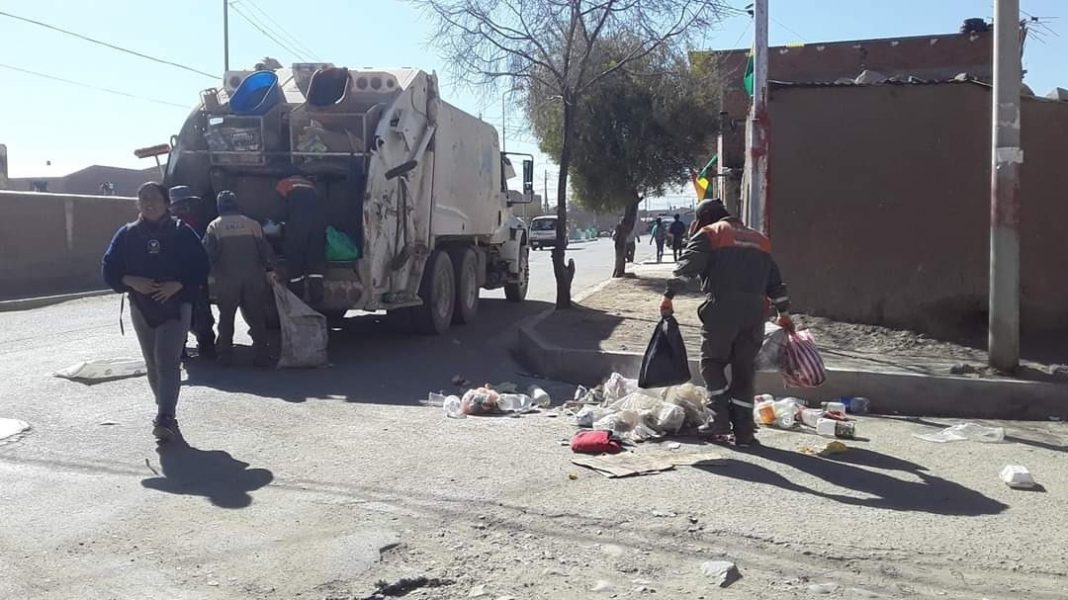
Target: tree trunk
565 273
630 218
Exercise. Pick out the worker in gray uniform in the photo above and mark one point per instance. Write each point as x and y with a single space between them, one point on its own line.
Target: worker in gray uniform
739 276
241 259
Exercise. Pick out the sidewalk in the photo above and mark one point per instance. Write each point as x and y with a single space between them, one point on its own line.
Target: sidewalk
900 371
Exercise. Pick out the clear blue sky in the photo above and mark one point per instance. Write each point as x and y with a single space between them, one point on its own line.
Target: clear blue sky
74 127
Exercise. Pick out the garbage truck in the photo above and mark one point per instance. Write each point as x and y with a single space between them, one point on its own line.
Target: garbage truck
419 186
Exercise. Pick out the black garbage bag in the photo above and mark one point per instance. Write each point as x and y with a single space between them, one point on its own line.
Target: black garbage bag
665 361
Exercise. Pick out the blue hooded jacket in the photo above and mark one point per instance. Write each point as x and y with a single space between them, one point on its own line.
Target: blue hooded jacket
163 251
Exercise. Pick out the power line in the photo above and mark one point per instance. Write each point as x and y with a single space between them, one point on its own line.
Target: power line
282 31
90 86
259 26
107 45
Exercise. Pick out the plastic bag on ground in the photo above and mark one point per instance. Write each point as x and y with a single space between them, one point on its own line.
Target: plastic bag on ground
517 403
964 431
670 418
636 401
304 337
665 362
617 386
480 401
108 368
588 415
693 400
453 407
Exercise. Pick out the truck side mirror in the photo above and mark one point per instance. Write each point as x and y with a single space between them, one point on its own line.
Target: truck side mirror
528 179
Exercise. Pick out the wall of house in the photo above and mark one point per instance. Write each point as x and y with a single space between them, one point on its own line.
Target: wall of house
879 204
52 243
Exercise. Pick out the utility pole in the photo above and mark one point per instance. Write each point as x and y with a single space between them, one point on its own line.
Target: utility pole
756 130
546 184
1007 158
226 35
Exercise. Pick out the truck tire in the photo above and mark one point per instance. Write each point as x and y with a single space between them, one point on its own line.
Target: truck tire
517 292
438 293
465 266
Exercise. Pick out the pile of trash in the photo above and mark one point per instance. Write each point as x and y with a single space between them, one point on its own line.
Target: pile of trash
489 399
633 414
830 420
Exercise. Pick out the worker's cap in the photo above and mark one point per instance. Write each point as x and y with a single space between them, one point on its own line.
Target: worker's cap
710 211
286 185
182 193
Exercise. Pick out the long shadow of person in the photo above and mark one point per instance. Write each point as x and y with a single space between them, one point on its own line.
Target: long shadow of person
931 494
214 474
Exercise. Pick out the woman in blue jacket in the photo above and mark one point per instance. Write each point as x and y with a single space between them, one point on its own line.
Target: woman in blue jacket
162 265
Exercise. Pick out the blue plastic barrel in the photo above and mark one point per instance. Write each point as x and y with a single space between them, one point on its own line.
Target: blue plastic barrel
257 94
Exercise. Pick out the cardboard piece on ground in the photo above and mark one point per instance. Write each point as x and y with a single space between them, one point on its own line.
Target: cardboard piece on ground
629 463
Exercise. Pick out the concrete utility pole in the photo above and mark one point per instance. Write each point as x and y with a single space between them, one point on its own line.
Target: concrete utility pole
756 134
1007 158
226 35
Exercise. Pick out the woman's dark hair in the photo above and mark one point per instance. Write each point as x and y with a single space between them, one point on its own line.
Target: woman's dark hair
157 187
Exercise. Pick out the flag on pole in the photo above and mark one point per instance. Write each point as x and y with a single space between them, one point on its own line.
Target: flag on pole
747 79
702 182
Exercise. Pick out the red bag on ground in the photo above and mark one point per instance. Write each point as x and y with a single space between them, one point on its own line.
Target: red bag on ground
801 363
595 442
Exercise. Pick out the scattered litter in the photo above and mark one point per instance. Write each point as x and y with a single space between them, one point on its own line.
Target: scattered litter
12 427
963 369
572 476
1056 419
460 381
856 405
827 449
595 442
506 387
541 397
823 588
635 414
836 428
965 431
108 423
109 368
404 586
478 591
516 403
834 407
723 572
662 514
433 399
811 416
453 407
480 401
1018 477
617 387
629 463
673 445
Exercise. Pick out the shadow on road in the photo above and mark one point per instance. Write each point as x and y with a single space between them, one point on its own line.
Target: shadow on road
372 362
214 474
930 495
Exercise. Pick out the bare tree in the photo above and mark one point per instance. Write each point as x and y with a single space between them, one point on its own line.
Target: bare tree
550 44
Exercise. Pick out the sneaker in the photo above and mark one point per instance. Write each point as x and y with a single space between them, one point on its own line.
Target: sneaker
165 429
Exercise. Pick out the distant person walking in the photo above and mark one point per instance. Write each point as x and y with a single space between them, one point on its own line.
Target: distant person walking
659 234
678 237
161 264
240 259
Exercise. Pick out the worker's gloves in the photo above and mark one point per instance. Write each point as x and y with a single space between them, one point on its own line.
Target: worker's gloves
786 322
666 307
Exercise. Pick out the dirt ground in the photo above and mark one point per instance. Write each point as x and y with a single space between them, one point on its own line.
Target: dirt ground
622 315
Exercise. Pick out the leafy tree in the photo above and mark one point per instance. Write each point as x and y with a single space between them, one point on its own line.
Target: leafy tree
637 134
551 44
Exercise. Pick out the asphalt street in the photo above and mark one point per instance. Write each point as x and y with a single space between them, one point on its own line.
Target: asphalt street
318 483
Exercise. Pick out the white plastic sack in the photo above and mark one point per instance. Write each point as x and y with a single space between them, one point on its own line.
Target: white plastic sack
965 431
304 337
108 368
693 400
670 418
617 387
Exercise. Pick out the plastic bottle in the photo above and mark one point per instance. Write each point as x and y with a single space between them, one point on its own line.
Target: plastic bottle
810 416
515 402
452 407
786 413
826 427
540 397
764 409
857 405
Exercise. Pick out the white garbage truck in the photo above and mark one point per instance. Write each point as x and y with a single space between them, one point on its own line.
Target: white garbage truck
417 185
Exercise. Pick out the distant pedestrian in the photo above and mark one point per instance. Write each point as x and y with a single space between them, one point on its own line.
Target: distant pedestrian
189 209
659 234
240 260
161 264
678 237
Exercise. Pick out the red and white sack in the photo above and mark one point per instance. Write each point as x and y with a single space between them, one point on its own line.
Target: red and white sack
801 364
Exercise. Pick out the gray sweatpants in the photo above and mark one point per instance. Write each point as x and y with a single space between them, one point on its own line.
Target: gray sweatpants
162 349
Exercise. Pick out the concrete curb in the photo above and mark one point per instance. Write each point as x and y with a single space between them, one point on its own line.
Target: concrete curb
890 393
30 303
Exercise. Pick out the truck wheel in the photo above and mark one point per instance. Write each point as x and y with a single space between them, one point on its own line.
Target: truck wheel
517 292
465 265
438 293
